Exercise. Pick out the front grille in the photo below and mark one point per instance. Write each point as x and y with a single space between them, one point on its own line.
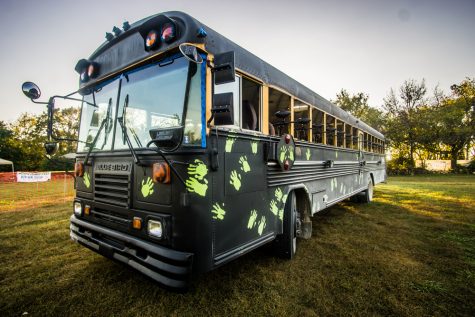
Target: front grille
111 216
112 189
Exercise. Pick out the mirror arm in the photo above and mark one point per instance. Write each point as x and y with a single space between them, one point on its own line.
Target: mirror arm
50 106
39 102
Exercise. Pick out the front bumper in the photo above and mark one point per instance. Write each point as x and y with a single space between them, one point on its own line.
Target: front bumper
168 267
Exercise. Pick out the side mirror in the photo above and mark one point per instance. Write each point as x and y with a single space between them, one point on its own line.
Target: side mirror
31 90
224 68
191 53
51 147
222 109
167 139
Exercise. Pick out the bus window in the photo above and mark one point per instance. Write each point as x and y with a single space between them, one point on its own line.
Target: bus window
279 112
340 131
301 120
348 135
317 125
235 88
365 141
251 105
331 130
360 140
355 138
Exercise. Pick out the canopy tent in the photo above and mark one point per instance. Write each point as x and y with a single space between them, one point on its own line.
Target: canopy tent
6 162
69 156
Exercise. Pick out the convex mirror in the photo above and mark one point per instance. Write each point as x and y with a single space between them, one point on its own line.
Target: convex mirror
31 90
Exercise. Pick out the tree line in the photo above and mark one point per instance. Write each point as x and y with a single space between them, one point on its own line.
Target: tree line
420 125
22 141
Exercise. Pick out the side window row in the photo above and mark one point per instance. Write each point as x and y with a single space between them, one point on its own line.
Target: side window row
304 122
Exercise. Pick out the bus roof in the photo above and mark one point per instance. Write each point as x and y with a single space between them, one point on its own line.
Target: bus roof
245 61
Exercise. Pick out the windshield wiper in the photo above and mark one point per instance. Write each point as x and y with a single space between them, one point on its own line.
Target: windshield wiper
125 135
108 124
103 123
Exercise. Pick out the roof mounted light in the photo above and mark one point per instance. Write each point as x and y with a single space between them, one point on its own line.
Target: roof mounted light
168 33
152 40
93 70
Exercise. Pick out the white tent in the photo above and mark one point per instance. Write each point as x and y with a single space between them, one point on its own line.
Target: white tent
69 156
6 162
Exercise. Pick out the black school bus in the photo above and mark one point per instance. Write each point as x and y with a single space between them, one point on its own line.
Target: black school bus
193 151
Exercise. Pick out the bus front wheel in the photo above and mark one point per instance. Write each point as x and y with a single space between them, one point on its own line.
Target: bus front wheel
285 244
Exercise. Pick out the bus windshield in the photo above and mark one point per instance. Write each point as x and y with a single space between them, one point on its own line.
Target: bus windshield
150 97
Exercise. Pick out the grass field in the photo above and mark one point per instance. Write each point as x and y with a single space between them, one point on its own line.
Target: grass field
410 253
17 196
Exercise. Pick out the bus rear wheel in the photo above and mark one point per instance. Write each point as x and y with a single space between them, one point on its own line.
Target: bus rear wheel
285 245
365 196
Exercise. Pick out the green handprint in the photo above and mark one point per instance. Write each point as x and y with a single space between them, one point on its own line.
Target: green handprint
254 147
194 186
281 214
278 194
283 153
147 187
229 144
273 207
218 212
235 180
284 198
198 170
87 180
244 164
291 154
262 225
308 154
252 219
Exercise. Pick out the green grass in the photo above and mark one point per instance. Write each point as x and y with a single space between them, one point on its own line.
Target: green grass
411 253
16 196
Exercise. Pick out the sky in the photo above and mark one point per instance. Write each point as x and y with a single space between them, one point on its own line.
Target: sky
365 46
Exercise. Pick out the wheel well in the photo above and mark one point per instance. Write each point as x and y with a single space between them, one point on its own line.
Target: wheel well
372 178
304 206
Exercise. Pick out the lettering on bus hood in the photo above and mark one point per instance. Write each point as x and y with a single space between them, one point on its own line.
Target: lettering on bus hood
114 167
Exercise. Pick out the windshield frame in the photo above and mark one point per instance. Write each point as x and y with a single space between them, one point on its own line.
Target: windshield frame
200 72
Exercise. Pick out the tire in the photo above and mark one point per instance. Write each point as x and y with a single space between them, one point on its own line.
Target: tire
286 244
367 195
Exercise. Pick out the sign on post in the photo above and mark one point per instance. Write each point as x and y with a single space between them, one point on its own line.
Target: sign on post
23 177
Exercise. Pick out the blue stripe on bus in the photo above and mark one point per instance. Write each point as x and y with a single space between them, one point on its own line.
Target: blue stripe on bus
203 102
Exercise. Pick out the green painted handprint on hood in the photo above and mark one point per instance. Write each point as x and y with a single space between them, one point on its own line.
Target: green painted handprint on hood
87 180
147 187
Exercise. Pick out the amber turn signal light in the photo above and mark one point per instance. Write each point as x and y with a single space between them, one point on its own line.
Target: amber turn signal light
87 210
161 173
79 169
137 223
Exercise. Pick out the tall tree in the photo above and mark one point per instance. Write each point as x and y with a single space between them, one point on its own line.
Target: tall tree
404 114
28 135
455 119
357 105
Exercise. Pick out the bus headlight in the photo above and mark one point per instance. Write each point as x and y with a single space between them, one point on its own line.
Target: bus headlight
155 228
77 207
